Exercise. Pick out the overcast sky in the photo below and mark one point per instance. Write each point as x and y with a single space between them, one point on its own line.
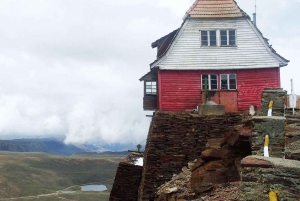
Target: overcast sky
71 68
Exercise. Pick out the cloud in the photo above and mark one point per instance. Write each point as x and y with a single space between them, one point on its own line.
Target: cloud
71 68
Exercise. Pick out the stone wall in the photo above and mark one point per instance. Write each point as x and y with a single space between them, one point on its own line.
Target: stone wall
175 139
293 137
276 95
126 182
260 174
275 128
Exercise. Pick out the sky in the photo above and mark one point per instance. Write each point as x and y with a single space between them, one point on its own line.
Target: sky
71 68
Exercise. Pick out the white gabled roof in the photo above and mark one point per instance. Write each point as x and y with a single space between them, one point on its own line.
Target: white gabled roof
252 50
185 51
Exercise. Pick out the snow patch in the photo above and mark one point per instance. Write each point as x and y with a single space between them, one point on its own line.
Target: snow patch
139 161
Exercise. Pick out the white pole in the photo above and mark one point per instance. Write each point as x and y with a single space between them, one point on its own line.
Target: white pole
292 92
292 87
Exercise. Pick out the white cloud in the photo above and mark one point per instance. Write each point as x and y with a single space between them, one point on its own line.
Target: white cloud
71 68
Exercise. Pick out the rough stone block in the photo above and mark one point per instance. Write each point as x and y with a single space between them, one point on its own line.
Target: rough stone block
275 128
278 96
212 110
260 174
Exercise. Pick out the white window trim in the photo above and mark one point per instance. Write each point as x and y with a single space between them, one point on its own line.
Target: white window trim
152 88
208 38
209 82
228 81
228 40
218 38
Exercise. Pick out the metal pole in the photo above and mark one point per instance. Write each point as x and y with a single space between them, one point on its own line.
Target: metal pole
292 92
205 90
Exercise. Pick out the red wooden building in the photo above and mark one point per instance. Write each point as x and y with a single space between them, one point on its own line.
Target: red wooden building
217 41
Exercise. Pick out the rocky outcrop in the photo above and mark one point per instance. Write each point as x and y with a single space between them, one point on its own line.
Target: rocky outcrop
260 174
217 167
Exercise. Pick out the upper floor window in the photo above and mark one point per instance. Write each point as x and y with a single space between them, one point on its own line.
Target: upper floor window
228 37
151 88
212 82
218 38
209 38
228 81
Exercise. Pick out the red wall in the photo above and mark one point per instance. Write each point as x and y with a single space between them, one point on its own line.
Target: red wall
252 82
181 90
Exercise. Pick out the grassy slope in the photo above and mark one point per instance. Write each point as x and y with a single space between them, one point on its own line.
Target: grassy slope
32 174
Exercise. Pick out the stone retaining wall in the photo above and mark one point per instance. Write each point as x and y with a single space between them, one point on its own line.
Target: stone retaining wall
175 139
293 137
278 96
126 182
275 128
260 174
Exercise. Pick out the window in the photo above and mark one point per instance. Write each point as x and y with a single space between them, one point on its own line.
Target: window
228 37
212 82
228 81
209 38
151 88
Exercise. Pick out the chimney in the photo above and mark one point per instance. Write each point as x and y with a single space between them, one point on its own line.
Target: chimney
254 19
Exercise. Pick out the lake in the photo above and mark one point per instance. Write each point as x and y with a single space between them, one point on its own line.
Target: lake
93 188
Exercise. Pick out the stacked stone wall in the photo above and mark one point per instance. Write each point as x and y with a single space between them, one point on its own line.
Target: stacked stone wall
275 128
293 137
175 139
260 174
278 97
126 182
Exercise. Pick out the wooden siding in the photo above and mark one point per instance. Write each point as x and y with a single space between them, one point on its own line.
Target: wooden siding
150 102
181 90
186 52
287 102
252 82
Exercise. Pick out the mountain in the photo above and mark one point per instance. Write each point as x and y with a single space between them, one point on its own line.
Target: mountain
47 145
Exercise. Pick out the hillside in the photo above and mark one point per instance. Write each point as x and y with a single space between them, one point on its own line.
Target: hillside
38 176
51 146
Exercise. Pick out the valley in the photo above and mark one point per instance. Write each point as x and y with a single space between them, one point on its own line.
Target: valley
41 176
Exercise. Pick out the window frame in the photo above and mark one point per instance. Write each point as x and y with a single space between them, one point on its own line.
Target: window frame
208 35
152 88
209 82
228 38
228 81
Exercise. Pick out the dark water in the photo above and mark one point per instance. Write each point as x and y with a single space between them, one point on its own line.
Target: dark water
93 188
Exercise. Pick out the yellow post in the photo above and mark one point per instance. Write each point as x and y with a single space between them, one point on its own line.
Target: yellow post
271 104
266 146
273 195
270 108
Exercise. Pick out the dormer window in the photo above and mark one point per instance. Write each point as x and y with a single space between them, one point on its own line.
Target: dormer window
209 38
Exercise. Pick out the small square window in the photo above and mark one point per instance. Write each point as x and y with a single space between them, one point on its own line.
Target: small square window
150 88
